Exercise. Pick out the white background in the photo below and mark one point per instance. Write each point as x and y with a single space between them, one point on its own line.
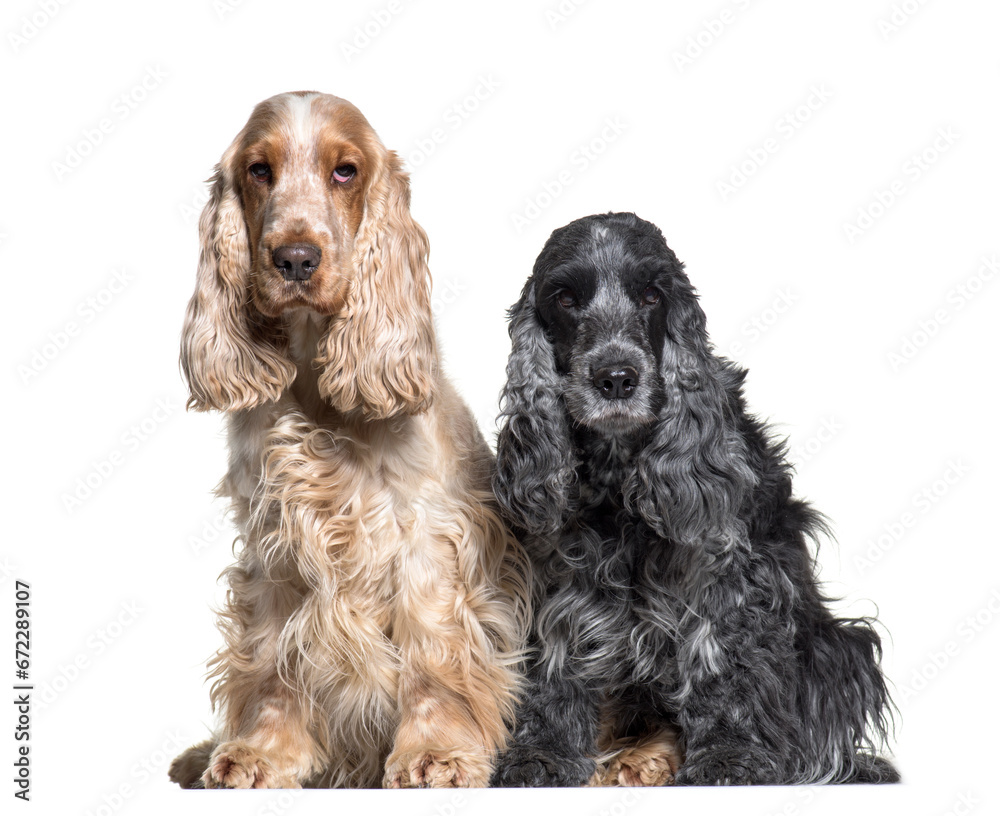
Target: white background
899 451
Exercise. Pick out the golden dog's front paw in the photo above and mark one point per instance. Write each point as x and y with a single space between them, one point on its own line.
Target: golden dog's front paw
648 762
237 765
640 769
436 769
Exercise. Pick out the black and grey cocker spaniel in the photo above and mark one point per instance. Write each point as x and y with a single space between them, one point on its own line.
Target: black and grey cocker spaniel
679 628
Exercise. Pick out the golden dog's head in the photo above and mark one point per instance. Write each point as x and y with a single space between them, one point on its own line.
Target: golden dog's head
309 211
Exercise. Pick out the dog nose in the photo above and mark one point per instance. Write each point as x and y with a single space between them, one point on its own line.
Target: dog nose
616 382
297 262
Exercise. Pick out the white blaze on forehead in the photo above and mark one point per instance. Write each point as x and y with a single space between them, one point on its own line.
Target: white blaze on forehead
600 232
300 119
302 129
298 201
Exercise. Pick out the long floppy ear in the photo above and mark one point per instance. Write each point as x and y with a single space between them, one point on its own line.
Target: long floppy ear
380 354
232 356
536 469
691 480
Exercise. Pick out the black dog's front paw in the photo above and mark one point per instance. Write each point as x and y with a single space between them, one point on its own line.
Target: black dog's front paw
726 765
525 766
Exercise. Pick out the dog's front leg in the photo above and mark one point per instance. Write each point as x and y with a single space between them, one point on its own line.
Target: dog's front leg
737 671
455 689
441 741
266 739
556 734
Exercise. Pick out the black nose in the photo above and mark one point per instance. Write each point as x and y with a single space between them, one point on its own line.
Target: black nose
297 262
616 382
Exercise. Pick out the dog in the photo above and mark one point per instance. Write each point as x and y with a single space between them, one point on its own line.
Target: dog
376 611
677 612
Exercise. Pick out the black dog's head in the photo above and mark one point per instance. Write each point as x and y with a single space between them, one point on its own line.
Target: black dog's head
606 290
608 336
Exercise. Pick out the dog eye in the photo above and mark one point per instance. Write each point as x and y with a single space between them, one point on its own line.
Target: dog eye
651 296
260 171
344 173
566 298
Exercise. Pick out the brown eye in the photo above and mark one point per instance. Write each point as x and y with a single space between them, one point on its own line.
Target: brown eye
344 173
566 298
651 296
261 171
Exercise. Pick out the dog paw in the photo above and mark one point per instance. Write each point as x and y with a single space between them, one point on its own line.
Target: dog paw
188 768
639 769
237 765
433 769
527 767
874 770
728 765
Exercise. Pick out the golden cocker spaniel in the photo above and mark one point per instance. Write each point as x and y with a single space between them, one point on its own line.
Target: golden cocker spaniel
376 610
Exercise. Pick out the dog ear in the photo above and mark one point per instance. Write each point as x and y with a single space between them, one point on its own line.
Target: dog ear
536 470
231 355
380 354
692 478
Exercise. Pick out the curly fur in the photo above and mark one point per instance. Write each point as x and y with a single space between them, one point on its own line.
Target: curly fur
376 610
674 585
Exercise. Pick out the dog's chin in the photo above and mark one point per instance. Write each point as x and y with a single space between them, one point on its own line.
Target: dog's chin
279 297
617 418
